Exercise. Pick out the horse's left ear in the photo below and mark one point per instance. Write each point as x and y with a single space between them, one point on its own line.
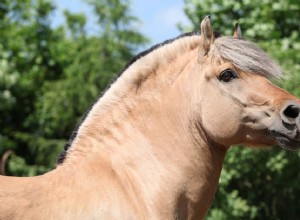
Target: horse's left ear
207 34
237 33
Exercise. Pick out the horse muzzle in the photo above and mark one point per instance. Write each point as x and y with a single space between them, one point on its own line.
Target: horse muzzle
287 129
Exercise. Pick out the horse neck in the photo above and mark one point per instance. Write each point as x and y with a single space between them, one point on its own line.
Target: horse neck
147 136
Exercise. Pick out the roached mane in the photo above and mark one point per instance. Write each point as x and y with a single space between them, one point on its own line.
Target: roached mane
138 60
243 54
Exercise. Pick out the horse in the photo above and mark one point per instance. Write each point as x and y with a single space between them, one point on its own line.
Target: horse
152 147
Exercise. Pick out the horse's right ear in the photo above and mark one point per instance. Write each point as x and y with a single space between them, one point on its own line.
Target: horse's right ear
207 34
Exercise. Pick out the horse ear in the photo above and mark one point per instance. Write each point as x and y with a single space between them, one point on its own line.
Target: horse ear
207 33
237 33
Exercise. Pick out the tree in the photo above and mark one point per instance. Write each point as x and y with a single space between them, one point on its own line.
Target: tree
28 61
50 76
258 184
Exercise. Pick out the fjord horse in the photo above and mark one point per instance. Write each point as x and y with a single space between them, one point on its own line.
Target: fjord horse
153 145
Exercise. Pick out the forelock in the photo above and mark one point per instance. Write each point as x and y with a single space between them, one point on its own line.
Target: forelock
245 56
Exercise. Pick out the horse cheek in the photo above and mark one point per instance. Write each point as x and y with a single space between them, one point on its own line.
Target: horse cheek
221 120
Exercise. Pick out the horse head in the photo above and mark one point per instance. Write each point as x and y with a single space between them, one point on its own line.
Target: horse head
239 103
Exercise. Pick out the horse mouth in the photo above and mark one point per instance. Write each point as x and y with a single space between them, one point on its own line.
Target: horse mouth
285 141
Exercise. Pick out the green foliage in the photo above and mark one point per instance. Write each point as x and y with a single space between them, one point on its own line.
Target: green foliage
258 184
50 76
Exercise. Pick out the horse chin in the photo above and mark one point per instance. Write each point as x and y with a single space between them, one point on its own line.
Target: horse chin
285 142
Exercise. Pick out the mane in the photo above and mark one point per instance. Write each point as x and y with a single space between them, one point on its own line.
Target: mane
246 56
126 68
243 54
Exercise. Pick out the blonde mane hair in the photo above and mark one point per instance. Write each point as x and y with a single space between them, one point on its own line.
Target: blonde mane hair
246 56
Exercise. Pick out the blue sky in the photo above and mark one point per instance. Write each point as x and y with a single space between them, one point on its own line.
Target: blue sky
158 17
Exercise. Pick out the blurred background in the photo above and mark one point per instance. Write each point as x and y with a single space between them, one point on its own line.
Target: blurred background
57 56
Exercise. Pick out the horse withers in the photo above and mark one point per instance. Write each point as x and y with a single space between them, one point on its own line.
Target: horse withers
152 147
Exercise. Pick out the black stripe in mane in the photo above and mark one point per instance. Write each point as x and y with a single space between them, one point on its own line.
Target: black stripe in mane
63 155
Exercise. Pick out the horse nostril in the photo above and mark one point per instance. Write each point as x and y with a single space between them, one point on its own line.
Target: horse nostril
292 111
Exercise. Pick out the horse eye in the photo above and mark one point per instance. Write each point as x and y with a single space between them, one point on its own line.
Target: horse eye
228 75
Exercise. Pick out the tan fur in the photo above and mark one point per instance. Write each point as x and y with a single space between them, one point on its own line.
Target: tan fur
153 146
